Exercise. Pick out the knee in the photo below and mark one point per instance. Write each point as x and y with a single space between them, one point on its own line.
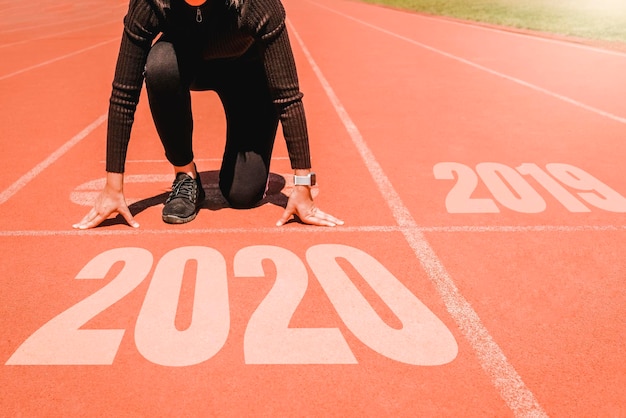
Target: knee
244 198
244 179
161 65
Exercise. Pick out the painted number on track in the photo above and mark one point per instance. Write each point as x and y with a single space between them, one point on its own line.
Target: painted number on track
569 185
421 340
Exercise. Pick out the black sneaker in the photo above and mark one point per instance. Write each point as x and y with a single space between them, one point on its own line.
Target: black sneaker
184 200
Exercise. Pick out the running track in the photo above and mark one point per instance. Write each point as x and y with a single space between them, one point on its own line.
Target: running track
480 271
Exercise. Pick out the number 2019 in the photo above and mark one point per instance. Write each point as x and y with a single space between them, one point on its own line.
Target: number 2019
512 191
422 340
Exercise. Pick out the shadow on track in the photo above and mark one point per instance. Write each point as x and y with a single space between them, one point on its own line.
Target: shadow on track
214 199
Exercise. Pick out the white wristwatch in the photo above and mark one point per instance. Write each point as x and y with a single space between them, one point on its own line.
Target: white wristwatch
308 180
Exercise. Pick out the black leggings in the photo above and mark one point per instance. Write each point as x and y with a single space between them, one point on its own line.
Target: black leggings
251 116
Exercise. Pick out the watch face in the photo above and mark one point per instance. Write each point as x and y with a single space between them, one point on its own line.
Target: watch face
308 180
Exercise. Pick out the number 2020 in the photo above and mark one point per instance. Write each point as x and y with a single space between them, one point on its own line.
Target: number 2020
422 340
510 189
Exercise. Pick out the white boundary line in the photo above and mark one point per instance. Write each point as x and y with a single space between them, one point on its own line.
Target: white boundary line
54 35
307 230
493 361
197 231
26 178
89 15
163 160
525 228
485 26
483 68
512 32
53 60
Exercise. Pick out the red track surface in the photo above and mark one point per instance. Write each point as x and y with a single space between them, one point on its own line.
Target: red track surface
480 176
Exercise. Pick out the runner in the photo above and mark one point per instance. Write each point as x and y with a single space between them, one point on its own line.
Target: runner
241 50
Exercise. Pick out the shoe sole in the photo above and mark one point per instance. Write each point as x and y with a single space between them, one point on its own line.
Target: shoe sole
172 219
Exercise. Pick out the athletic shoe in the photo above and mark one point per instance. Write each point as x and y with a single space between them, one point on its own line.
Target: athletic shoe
184 200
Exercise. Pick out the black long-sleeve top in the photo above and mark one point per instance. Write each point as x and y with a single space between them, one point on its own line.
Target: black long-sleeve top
227 31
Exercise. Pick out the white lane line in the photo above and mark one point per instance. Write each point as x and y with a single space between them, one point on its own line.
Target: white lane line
307 230
488 70
26 178
519 34
198 231
526 228
54 35
62 57
163 160
503 376
89 15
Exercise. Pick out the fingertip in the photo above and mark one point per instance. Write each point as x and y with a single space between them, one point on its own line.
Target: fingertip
282 221
130 220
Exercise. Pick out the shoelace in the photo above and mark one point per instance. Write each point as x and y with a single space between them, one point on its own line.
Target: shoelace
183 189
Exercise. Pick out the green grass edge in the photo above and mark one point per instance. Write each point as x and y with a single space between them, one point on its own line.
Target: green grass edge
600 20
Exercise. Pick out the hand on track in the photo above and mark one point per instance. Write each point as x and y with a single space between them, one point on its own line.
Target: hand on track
108 202
301 204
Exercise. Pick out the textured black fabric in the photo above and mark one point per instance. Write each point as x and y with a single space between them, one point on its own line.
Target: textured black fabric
224 32
251 118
